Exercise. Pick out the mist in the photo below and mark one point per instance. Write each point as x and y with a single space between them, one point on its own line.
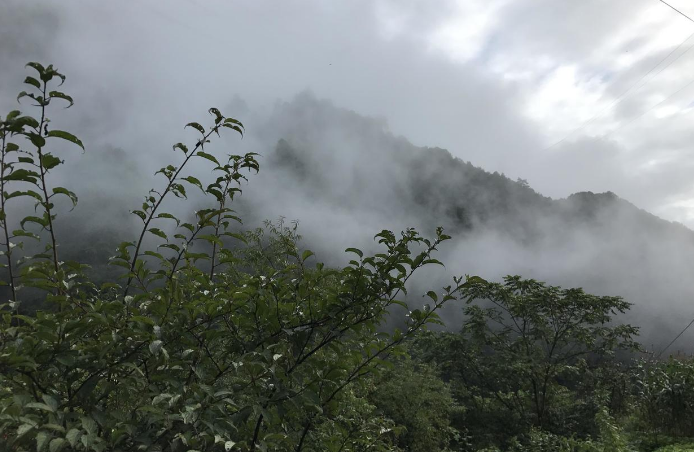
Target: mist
364 121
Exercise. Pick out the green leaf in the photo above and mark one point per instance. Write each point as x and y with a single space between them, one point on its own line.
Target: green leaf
66 192
207 156
140 214
51 402
194 181
23 429
32 219
57 445
171 246
36 139
33 82
23 94
233 127
59 95
49 161
31 193
65 136
23 175
89 425
21 233
40 406
210 238
181 146
153 254
158 232
29 121
37 66
306 255
178 190
217 114
196 126
355 251
41 440
169 217
73 436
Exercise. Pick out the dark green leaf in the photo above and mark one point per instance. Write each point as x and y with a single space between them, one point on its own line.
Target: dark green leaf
36 139
233 127
217 114
49 161
207 156
197 127
37 66
355 251
59 95
33 82
168 216
66 192
194 181
140 214
65 136
21 233
181 146
158 232
57 444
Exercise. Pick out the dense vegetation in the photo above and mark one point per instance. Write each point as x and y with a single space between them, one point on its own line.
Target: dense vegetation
217 338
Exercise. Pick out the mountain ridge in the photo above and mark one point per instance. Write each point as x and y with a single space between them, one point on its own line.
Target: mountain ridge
345 177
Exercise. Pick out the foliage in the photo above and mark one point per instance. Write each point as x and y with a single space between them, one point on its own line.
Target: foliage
530 356
210 343
415 398
539 334
665 397
677 448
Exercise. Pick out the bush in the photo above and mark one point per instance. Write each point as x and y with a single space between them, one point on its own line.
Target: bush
665 399
215 339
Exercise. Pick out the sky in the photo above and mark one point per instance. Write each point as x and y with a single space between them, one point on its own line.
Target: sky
531 88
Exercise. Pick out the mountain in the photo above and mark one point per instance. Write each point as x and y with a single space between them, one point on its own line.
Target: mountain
345 177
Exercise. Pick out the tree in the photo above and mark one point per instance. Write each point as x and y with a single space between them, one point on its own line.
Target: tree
665 397
537 335
529 357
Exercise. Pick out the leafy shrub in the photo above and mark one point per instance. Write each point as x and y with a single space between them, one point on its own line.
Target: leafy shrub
665 398
215 340
416 399
528 359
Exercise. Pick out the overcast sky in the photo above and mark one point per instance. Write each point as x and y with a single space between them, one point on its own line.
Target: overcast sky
497 82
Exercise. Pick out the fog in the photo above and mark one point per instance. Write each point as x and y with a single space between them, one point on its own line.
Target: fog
342 101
